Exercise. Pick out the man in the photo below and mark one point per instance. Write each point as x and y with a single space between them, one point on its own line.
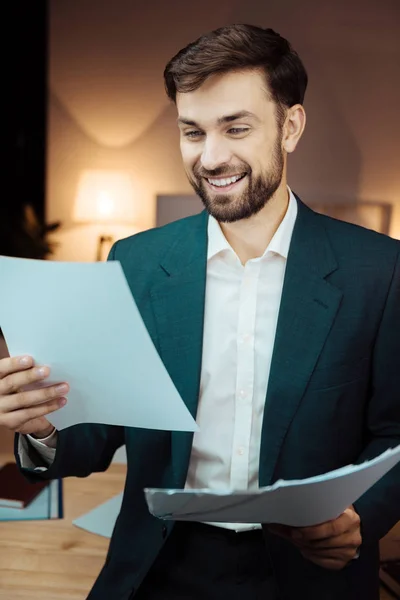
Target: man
280 329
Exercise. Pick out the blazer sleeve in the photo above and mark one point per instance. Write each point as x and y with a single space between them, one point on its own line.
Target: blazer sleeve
81 450
379 507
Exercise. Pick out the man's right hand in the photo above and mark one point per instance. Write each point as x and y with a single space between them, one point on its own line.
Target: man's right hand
24 410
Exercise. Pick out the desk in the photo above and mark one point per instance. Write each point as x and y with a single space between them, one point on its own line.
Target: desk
54 560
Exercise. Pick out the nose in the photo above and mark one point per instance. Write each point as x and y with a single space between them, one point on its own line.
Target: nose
215 153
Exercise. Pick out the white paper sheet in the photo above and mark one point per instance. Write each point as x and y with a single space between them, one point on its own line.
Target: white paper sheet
101 520
297 503
80 319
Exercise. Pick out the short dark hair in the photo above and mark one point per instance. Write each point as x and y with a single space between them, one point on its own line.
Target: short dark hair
236 48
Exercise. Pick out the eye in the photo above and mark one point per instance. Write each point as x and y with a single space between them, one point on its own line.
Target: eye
193 134
238 130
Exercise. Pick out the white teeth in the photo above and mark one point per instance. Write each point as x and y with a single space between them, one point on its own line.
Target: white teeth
224 182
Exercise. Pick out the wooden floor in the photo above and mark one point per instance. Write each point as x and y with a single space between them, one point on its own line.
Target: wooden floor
54 560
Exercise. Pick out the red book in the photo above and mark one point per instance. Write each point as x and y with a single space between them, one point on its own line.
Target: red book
15 490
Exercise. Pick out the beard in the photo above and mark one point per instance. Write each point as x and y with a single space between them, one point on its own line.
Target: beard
236 206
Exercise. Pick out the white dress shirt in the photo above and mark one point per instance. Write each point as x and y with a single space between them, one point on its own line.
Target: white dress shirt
241 312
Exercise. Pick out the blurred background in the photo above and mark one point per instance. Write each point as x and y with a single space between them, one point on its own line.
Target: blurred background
92 136
91 141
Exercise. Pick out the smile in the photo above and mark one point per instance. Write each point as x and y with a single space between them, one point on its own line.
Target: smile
225 182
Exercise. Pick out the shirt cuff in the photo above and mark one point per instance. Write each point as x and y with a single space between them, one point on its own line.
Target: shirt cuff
49 441
46 452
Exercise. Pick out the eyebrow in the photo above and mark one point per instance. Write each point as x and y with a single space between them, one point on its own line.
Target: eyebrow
243 114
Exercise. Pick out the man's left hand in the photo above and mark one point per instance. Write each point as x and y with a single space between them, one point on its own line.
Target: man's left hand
331 545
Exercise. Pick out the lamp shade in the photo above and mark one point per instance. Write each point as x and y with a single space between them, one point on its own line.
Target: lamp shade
104 196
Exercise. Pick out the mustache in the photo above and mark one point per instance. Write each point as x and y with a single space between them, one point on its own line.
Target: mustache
221 172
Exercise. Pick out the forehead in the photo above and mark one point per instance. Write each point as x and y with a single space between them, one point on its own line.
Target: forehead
227 93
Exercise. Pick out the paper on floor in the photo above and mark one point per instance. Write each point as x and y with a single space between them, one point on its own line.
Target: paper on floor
101 520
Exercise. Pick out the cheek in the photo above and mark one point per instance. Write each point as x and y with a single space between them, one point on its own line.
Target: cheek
190 156
192 164
263 146
253 151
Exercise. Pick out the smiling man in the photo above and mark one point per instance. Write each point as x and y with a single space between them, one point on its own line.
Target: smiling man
234 161
234 138
280 329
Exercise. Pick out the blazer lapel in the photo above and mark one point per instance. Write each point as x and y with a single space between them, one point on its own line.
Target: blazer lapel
308 307
178 304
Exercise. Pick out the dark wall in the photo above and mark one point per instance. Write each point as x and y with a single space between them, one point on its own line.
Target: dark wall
25 114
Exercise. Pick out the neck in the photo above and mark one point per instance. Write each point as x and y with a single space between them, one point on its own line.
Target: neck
249 238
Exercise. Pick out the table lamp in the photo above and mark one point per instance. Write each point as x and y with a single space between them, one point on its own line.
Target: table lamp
105 198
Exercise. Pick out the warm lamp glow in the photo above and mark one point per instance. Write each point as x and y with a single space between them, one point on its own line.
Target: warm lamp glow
104 196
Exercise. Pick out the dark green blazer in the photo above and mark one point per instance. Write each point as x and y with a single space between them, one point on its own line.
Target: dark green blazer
333 396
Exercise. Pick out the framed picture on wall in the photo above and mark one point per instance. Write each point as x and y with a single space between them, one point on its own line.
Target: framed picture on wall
173 207
372 215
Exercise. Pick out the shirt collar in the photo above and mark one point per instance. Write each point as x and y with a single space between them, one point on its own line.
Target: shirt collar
279 244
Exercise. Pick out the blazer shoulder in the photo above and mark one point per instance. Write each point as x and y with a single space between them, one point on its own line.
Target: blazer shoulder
153 243
357 242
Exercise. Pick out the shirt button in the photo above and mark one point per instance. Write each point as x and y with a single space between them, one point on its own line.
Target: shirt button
240 450
243 394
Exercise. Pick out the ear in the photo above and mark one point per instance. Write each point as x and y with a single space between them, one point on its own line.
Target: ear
293 127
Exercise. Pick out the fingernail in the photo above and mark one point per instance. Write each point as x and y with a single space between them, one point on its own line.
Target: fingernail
60 389
40 372
63 401
25 361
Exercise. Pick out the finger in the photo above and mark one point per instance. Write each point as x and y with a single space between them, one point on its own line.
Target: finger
342 553
13 364
329 529
350 539
10 384
31 398
327 563
17 419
